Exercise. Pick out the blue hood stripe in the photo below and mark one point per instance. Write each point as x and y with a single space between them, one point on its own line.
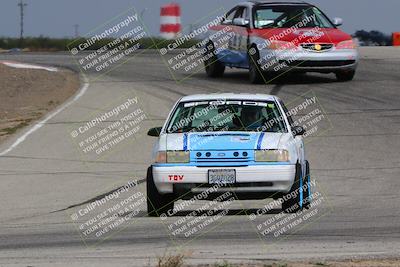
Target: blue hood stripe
185 142
260 139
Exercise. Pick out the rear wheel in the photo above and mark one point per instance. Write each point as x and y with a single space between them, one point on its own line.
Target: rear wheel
157 203
293 201
255 75
345 76
214 67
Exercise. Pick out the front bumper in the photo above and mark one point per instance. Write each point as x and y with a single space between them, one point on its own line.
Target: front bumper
303 60
249 179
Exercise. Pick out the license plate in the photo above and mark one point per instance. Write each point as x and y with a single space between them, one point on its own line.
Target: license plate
223 176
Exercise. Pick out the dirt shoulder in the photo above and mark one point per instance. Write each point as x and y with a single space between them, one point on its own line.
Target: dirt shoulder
345 263
27 95
181 259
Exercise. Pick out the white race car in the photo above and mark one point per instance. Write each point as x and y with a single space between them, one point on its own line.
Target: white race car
240 143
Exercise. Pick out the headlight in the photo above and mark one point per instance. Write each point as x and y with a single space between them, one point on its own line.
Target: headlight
349 44
178 156
277 155
282 45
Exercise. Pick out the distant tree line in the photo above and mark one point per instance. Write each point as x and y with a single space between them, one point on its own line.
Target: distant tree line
376 38
42 43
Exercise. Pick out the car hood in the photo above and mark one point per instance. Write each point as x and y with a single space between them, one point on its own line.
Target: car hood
327 35
222 141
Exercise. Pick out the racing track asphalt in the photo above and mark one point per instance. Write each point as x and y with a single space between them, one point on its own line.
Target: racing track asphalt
356 164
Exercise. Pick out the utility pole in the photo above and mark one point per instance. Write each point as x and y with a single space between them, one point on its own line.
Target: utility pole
21 5
76 27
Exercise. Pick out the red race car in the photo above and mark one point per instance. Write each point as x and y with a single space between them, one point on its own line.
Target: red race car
276 37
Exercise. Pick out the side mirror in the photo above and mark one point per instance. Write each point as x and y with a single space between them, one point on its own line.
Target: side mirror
338 21
155 132
241 22
226 22
298 131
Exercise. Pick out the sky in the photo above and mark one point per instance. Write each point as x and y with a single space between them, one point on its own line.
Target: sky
55 18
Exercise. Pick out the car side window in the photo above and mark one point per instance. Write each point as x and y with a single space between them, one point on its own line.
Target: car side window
246 14
243 12
230 16
239 12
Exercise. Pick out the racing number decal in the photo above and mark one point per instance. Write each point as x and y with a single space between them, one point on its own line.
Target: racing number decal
176 178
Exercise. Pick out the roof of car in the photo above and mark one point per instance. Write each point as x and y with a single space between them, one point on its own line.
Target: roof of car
277 2
230 96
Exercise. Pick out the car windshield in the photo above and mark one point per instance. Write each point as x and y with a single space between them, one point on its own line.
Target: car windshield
282 16
226 116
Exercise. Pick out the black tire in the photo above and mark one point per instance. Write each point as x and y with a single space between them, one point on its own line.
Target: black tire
293 201
307 190
345 76
214 68
157 203
255 74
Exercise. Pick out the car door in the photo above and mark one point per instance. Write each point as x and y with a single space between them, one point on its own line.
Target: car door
230 55
225 41
239 42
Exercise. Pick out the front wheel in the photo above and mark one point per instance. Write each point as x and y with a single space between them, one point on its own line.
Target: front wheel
157 204
214 67
255 75
293 201
345 76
